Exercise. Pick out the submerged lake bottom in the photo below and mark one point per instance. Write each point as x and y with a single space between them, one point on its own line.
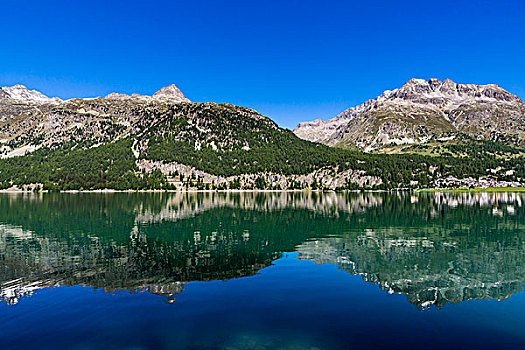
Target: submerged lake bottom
262 270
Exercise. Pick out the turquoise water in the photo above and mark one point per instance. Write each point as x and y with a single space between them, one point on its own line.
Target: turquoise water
262 271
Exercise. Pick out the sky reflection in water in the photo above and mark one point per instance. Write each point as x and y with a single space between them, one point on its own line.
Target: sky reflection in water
207 270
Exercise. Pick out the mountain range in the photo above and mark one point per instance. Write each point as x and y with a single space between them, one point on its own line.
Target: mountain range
166 141
421 111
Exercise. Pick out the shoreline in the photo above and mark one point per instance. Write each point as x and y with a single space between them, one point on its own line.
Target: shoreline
190 191
475 189
153 191
419 190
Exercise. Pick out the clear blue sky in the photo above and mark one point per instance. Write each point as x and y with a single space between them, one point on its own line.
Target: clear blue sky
290 60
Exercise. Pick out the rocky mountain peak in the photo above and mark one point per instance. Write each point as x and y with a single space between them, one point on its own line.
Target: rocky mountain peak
415 82
448 92
20 92
171 92
421 110
116 95
434 83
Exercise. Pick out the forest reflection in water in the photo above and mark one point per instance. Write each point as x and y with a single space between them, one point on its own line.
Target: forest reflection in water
434 248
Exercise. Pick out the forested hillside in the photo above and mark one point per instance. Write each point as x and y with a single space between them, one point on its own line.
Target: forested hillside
139 142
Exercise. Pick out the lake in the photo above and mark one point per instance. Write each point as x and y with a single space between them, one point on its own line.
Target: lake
286 270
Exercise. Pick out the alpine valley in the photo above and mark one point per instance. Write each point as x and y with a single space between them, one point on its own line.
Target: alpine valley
414 136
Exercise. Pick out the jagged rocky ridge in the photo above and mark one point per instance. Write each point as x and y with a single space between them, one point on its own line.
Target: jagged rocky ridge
31 120
423 110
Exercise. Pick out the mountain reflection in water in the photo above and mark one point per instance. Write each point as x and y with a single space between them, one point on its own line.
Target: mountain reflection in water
434 248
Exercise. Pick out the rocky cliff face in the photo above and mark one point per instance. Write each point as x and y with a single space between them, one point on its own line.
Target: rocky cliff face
424 110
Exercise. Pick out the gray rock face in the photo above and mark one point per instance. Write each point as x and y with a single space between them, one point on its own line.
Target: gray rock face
170 92
30 120
20 92
420 111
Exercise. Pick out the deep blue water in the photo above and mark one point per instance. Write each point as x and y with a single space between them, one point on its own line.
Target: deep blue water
292 271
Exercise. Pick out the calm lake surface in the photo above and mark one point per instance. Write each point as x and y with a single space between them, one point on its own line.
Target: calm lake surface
262 271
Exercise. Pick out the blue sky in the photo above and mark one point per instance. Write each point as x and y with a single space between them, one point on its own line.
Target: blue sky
290 60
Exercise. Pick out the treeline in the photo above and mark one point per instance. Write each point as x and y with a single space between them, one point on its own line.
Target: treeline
107 166
113 165
302 157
